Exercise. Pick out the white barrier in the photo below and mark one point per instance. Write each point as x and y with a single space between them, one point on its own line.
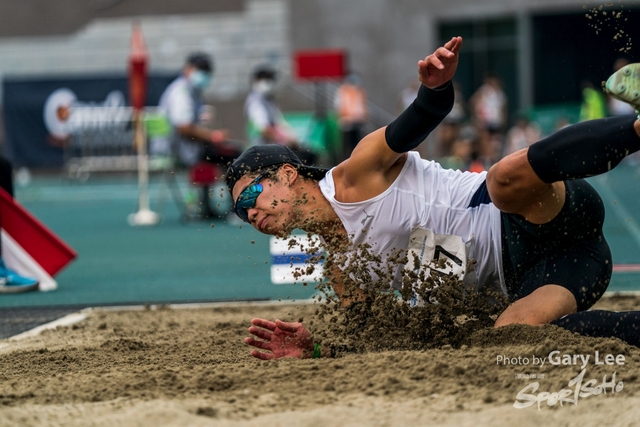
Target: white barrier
295 259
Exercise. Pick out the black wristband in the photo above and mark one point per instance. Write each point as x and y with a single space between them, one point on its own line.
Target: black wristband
421 117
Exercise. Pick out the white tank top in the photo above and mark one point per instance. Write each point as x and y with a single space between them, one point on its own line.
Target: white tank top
440 203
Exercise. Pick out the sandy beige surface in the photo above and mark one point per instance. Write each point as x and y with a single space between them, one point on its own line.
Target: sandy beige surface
190 367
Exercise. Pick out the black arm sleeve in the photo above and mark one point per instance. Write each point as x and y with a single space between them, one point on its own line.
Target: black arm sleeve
421 117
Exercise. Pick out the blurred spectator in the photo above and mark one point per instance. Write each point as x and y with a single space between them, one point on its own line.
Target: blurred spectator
449 130
489 113
617 107
182 103
408 95
461 153
593 103
446 134
350 102
459 111
476 165
521 135
10 281
460 157
265 122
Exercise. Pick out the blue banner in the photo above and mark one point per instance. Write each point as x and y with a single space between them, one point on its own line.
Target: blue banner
40 114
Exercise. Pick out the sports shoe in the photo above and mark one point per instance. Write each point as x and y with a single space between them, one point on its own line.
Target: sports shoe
624 85
12 283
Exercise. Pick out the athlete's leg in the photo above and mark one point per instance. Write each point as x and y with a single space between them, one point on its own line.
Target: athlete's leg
624 325
571 280
534 184
515 188
559 267
528 182
556 305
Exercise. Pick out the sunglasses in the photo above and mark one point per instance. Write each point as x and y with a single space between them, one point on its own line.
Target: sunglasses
247 198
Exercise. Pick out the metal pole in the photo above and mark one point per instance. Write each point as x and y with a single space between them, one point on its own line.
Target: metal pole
144 216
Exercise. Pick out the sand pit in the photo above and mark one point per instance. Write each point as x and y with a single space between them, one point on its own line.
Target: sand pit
171 367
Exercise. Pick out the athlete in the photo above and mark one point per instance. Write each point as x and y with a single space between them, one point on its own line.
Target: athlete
532 223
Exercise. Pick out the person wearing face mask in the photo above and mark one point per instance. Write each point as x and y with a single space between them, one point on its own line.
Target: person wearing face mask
265 120
182 105
266 124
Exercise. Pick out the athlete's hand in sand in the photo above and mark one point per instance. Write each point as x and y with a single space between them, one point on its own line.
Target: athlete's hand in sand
282 339
439 67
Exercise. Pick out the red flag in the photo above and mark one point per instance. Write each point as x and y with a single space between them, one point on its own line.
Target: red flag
138 59
28 246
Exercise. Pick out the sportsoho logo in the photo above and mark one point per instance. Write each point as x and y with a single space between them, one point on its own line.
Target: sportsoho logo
578 386
64 115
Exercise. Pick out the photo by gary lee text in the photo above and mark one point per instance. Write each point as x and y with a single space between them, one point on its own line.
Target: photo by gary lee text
557 358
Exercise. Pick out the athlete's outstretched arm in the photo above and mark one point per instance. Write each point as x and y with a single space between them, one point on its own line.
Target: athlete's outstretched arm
379 151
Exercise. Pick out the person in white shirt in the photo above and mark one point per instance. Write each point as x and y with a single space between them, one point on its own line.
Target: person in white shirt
265 121
182 104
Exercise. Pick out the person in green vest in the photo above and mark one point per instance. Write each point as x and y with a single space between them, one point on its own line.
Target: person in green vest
594 104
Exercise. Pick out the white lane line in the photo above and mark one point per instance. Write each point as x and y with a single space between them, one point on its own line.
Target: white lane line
67 320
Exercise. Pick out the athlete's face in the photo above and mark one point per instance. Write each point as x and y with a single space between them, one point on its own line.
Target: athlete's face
273 211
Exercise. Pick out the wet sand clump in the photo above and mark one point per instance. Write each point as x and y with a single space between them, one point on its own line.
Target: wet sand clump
392 307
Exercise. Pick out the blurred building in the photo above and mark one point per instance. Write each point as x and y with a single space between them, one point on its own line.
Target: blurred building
541 49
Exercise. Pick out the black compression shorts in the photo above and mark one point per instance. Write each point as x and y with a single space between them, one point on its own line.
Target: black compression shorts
569 251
